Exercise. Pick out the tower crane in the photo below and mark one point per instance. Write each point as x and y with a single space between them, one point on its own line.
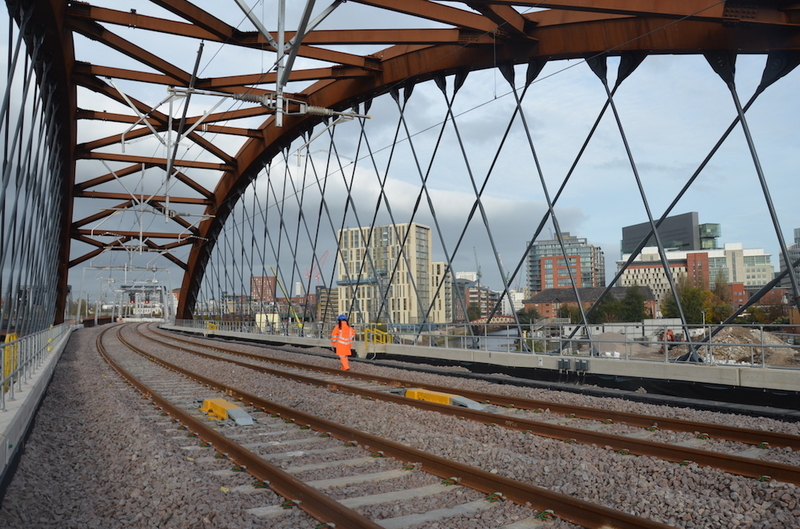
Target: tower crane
477 265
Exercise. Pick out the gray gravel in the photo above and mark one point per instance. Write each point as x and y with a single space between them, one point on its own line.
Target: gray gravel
98 457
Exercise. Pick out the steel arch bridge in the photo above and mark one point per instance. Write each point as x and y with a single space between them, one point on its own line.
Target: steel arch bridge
177 109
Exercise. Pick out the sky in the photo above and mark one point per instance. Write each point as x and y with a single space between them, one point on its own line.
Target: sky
673 109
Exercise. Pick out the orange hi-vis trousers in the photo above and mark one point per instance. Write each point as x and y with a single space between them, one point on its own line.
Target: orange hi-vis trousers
345 362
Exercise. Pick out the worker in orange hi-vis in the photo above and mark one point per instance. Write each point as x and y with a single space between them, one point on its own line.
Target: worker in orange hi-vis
342 339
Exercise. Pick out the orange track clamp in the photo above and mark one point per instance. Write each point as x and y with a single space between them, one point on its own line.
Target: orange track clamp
222 409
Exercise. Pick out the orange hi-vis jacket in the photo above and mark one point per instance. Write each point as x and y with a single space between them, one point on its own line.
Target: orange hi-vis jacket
342 338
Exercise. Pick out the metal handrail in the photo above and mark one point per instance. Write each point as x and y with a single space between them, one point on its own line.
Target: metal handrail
376 336
21 357
534 340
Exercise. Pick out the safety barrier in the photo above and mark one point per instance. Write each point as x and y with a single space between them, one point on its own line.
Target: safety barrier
553 339
21 357
376 336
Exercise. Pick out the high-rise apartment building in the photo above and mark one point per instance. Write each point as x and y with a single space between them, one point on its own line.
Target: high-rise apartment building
381 279
442 293
548 269
794 254
749 266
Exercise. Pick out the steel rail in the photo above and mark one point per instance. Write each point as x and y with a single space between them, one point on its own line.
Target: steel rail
584 513
733 464
312 501
718 431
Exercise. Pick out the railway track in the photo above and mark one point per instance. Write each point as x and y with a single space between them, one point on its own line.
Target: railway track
175 390
745 452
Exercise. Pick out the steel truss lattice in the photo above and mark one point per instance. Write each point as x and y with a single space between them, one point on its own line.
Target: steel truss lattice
232 198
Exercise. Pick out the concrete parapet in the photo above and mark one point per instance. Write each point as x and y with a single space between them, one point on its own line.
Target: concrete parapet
18 417
724 375
773 378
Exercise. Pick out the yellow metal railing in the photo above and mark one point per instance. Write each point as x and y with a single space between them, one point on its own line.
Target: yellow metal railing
376 336
10 356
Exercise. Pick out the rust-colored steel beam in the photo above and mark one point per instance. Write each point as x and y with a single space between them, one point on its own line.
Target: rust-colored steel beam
165 252
130 234
105 116
508 20
108 177
98 33
246 112
216 30
132 169
160 198
214 129
178 244
80 10
477 34
160 162
772 13
229 36
209 195
177 219
200 18
426 36
95 84
84 68
102 214
118 244
231 131
115 138
334 72
125 205
436 12
87 240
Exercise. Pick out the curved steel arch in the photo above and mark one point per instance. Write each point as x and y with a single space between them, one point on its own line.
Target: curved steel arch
578 35
455 37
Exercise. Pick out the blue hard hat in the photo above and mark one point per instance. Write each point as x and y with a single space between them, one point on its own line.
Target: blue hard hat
342 317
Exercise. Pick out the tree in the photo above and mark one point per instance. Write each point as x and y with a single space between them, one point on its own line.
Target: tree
473 311
633 305
527 316
573 313
606 311
721 289
692 301
770 313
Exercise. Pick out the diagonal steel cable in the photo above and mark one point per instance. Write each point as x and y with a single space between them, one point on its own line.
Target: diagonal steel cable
480 193
724 64
479 202
598 66
778 64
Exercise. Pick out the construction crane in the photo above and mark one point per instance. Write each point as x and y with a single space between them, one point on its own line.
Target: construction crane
288 299
477 265
316 271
